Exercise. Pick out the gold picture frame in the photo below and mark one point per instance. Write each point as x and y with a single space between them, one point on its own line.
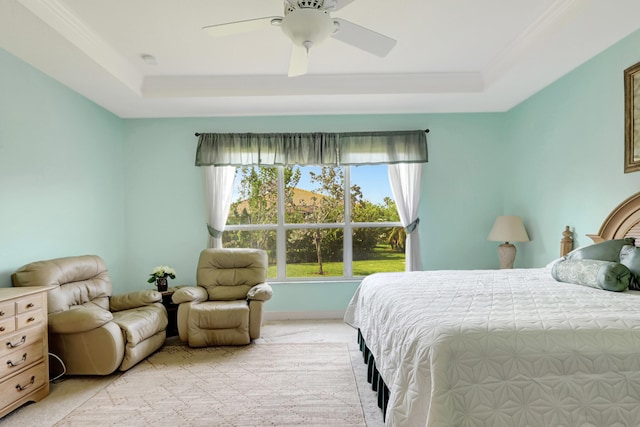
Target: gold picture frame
632 118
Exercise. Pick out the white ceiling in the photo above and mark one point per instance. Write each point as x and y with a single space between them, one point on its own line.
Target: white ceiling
451 55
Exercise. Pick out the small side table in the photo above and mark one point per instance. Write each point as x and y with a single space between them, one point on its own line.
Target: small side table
172 312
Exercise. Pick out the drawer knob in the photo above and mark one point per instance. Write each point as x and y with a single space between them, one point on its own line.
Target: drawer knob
2 313
30 305
24 387
18 344
13 364
2 328
31 319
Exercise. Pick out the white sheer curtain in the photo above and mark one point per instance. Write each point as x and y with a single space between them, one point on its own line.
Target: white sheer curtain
405 181
218 187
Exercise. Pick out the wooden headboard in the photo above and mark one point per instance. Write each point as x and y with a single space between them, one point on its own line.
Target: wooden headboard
623 221
566 243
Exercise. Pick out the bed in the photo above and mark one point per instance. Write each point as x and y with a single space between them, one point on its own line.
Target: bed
502 347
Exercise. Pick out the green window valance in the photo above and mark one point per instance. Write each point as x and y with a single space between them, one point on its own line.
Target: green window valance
318 148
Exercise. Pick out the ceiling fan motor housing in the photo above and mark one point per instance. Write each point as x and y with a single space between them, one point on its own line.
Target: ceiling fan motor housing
308 25
303 4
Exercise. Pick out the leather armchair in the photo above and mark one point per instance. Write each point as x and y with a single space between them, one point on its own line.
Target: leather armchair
225 308
92 331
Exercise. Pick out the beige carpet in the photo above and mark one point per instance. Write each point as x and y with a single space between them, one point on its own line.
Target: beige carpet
256 385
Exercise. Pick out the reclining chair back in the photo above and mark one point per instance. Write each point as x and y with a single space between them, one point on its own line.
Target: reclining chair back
80 280
228 274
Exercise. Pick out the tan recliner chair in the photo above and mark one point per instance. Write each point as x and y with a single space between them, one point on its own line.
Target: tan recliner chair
225 308
93 332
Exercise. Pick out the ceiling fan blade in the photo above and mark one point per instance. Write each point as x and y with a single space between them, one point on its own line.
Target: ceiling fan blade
333 5
238 27
299 62
363 38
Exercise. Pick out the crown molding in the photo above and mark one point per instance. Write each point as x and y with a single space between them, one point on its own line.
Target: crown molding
60 18
537 31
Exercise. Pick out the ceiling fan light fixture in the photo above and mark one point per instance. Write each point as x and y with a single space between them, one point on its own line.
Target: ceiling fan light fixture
307 25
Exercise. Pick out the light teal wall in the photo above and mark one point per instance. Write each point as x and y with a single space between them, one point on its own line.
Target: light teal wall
566 146
165 214
76 179
462 191
61 173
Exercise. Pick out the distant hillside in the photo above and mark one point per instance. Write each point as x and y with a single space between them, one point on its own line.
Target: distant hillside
301 197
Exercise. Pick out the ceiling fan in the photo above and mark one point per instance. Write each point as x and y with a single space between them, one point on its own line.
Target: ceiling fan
307 23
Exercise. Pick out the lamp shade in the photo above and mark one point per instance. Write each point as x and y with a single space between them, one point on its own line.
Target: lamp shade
508 228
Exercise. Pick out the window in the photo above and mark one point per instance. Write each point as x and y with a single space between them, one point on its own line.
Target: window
301 217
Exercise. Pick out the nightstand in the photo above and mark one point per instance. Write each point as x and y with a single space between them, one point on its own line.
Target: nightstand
172 312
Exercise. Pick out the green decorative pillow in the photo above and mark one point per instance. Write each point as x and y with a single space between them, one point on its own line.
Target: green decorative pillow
630 257
609 250
611 276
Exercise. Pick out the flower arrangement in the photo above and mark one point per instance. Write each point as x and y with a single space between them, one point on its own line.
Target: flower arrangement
161 272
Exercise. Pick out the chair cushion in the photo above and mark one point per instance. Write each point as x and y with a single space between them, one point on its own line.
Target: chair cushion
218 323
138 324
228 274
220 315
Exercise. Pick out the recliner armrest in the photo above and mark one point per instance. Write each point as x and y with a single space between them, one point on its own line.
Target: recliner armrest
190 294
79 319
134 299
260 292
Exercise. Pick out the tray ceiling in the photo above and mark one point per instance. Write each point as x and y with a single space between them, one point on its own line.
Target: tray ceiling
141 58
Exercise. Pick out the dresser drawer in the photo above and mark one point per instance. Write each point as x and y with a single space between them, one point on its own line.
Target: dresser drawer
22 384
24 365
33 302
19 359
7 326
20 339
7 309
29 319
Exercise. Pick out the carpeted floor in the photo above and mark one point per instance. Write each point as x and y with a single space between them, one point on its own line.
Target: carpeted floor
281 380
258 385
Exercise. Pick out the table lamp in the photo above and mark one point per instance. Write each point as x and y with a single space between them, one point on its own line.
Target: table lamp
508 228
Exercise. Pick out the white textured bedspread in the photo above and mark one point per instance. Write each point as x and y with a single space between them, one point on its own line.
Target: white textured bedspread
501 348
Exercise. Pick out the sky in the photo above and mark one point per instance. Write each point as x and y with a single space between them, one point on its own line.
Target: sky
372 179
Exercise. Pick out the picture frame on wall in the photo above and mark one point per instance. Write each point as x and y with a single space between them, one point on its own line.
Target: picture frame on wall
632 118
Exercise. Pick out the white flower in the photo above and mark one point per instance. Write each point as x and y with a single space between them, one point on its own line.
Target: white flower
160 272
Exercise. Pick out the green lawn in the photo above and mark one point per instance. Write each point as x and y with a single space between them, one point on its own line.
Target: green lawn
383 260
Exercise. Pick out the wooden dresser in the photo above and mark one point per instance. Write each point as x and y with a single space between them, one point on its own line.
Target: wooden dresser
24 351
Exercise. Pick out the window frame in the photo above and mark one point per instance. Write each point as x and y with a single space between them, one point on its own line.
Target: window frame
281 229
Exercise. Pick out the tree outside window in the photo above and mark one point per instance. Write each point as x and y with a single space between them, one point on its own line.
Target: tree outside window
301 217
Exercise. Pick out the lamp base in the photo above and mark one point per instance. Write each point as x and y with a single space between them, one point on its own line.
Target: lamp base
507 255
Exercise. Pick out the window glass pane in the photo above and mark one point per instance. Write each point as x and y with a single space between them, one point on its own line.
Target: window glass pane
258 239
377 249
315 252
371 197
314 195
255 196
